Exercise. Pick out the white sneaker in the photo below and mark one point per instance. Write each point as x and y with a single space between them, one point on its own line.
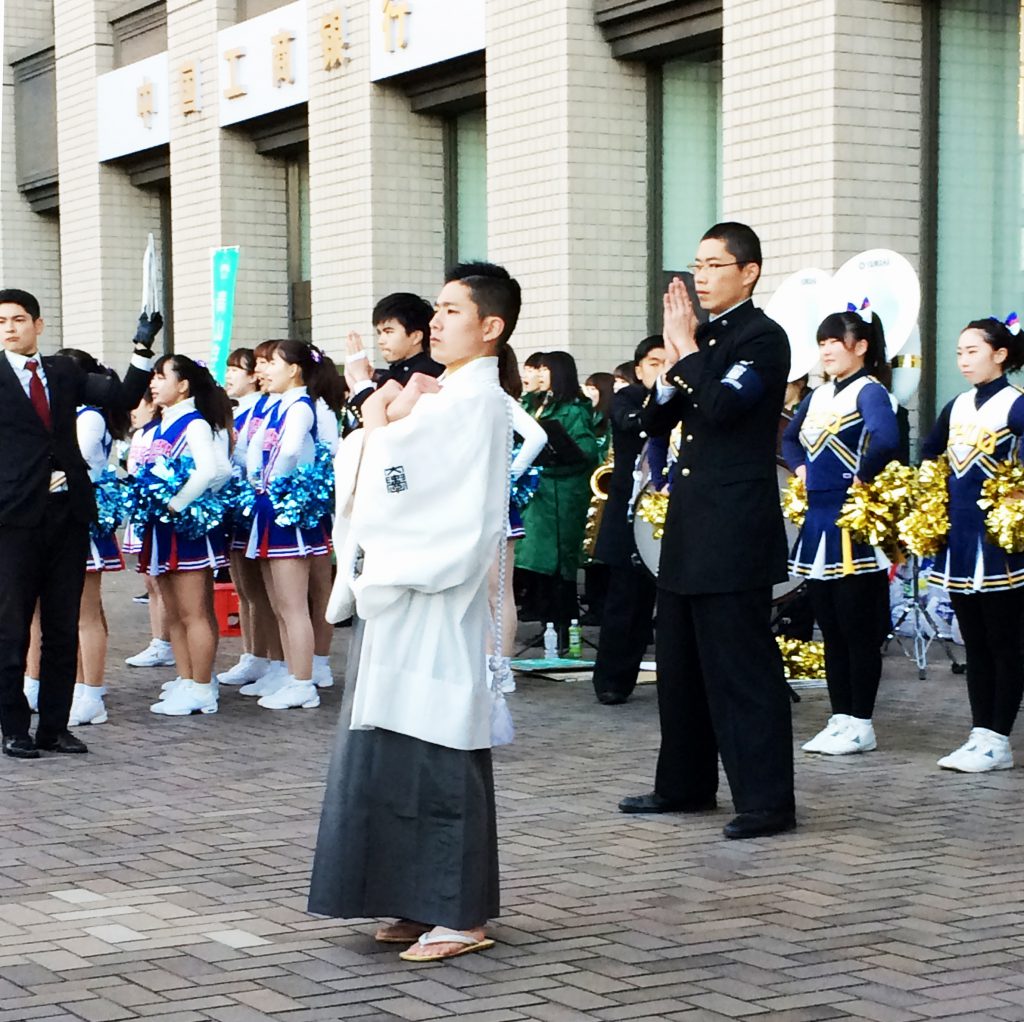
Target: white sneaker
291 695
87 707
270 681
985 750
857 736
249 668
835 726
32 693
186 699
157 654
322 676
169 686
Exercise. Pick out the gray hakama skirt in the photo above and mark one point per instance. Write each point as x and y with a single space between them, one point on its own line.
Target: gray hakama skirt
407 828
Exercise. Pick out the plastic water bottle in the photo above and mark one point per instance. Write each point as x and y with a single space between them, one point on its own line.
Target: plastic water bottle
575 640
550 642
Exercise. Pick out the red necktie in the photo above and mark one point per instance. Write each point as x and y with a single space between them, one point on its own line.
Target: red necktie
37 394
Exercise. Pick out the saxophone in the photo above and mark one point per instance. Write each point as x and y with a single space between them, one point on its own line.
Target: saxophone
600 480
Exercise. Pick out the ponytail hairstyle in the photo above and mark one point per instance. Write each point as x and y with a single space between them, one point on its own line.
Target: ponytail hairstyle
244 359
212 402
118 420
508 372
850 328
998 335
319 373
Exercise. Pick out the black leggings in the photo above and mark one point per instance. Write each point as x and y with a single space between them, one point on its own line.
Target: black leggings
853 614
991 627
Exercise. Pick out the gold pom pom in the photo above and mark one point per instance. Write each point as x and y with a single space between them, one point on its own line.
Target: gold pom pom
653 508
1002 496
923 529
794 500
802 659
873 510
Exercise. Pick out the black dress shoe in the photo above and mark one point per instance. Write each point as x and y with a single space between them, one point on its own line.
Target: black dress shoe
654 803
611 698
65 742
21 747
762 823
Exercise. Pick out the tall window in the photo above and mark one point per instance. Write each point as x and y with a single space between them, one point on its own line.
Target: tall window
300 308
691 104
466 189
979 217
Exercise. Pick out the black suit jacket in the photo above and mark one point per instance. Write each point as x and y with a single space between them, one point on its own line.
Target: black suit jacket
615 544
29 452
724 530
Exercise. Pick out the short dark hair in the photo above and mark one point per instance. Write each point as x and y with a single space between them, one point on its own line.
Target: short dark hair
741 241
413 312
15 296
998 335
494 292
534 361
625 371
647 345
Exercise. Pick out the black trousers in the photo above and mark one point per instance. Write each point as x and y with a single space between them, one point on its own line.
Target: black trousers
721 690
45 563
625 630
991 627
853 615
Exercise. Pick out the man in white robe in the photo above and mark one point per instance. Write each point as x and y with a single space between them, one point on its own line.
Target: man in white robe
408 826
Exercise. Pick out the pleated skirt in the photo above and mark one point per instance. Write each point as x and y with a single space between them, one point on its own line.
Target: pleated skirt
408 828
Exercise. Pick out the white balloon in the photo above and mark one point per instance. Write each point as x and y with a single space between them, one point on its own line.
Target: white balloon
889 283
798 306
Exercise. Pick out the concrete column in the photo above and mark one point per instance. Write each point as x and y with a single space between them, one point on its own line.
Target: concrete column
567 179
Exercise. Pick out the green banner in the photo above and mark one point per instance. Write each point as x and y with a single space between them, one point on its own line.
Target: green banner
225 274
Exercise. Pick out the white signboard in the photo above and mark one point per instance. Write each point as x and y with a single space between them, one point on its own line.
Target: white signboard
263 64
410 34
133 108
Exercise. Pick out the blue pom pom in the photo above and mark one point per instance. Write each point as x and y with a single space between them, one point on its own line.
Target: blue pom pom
525 487
154 489
305 497
111 505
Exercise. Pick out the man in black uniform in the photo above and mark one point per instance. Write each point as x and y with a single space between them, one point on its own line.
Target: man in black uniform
402 322
46 505
721 688
629 603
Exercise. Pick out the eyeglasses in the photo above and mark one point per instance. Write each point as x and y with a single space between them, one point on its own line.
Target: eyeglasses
697 267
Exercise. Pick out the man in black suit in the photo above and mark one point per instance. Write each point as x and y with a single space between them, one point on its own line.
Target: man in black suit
629 602
46 505
402 321
721 688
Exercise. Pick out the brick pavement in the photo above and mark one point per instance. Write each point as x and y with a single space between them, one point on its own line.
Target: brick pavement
164 876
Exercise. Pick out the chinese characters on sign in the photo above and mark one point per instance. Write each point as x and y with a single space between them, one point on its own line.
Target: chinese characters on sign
282 59
394 25
144 105
234 59
189 75
332 40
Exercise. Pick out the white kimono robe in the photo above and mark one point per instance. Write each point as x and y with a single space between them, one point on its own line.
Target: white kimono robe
426 501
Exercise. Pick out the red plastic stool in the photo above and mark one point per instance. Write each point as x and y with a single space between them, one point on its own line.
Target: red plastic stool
225 608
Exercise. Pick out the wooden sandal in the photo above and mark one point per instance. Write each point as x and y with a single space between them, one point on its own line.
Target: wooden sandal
419 951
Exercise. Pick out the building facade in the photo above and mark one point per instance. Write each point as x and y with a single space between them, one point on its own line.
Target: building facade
349 148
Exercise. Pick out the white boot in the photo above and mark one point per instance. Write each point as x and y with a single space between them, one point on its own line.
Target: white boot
985 750
32 693
88 707
249 668
187 698
322 676
275 676
157 654
836 724
291 695
857 736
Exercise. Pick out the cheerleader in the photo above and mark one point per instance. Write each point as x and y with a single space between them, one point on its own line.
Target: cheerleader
97 429
844 431
288 552
260 641
978 431
145 418
193 408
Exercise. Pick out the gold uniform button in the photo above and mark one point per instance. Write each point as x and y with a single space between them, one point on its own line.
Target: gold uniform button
689 438
712 343
678 380
686 471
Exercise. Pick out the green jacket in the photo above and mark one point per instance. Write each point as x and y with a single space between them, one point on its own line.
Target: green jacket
556 517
